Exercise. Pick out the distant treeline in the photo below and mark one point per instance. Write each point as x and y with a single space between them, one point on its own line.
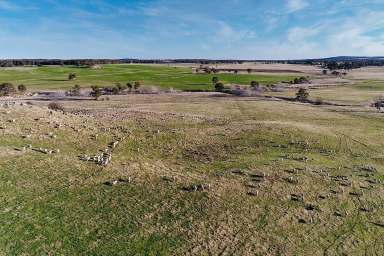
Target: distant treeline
90 62
327 63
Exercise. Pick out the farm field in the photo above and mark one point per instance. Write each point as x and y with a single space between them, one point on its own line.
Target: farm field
179 78
190 173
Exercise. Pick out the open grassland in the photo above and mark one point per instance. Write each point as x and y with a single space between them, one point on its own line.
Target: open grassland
167 77
194 174
357 93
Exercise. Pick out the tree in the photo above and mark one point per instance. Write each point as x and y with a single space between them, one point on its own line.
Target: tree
21 88
215 80
325 72
255 85
6 89
71 76
219 87
129 86
302 95
96 92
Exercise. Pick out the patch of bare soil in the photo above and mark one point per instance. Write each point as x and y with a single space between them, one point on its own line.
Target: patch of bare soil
370 73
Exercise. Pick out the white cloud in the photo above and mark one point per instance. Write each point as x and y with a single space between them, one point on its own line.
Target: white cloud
296 5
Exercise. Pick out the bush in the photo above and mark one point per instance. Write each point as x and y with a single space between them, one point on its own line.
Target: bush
302 95
378 104
21 88
71 76
7 89
301 80
255 85
115 91
219 87
137 85
55 106
215 80
96 92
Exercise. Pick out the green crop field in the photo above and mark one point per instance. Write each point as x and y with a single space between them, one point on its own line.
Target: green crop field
108 75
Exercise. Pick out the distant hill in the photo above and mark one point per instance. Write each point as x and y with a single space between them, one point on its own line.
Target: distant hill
351 58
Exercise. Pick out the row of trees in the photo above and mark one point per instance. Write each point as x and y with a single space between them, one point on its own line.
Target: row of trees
7 89
97 91
219 86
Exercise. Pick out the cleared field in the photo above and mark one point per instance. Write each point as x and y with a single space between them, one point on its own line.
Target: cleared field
356 93
193 174
167 77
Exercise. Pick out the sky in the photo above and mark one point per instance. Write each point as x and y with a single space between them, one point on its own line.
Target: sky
216 29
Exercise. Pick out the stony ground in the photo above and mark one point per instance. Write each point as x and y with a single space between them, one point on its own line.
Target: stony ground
193 174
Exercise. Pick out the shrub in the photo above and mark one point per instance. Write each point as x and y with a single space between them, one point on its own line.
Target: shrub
378 104
6 89
215 80
21 88
137 85
301 80
96 92
55 106
255 85
71 76
129 86
115 90
219 87
302 95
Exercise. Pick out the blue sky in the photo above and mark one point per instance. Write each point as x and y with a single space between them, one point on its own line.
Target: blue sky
246 29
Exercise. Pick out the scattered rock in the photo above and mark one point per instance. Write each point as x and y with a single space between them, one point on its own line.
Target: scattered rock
117 182
310 207
253 193
197 187
339 213
297 198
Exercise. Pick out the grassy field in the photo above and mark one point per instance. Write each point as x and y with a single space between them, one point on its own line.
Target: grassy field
279 178
108 75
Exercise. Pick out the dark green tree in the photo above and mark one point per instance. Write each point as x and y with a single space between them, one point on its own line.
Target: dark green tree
219 87
302 95
21 88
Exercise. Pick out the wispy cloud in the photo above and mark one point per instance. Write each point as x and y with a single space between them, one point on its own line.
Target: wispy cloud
296 5
206 29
